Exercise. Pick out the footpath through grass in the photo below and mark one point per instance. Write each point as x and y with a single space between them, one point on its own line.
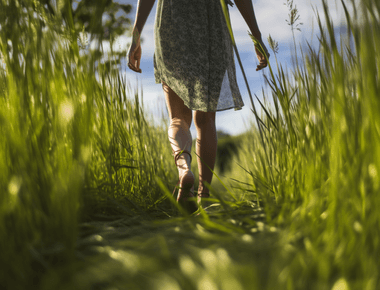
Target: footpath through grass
85 176
228 250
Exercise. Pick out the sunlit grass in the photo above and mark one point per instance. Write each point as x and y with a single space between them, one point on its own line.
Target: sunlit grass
73 146
322 138
86 177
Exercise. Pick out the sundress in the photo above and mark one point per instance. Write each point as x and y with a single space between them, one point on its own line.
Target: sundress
194 55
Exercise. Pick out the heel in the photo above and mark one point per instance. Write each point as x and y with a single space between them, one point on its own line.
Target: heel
186 192
187 180
186 187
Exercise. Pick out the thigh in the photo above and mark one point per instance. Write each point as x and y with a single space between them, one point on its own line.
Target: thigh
176 107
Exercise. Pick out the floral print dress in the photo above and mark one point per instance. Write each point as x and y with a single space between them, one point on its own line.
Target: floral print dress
194 55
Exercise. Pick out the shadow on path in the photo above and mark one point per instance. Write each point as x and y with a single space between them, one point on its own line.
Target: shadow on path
154 252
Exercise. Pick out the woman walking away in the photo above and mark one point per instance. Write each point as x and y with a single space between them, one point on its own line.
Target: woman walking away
193 60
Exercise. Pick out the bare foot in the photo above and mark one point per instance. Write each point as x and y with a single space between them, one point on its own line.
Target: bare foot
186 191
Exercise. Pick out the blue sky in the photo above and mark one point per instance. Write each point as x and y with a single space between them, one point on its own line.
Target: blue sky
271 17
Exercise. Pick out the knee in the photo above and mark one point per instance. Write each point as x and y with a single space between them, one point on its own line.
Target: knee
204 118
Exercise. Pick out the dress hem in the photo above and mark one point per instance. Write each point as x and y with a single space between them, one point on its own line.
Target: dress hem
237 108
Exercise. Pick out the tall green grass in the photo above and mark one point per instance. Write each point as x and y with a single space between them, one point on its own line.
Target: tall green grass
73 144
76 148
322 138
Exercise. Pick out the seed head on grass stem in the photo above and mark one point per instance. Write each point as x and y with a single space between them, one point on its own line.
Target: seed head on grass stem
273 44
293 15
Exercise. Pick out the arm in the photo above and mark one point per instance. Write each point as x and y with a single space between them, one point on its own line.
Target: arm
143 10
246 10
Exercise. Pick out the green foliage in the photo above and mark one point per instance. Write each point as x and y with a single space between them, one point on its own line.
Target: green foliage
89 14
72 143
97 20
228 147
322 138
84 173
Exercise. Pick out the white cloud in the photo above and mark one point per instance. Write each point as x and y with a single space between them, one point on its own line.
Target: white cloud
271 17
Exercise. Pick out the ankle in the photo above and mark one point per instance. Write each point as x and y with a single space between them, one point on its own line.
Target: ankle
184 163
203 192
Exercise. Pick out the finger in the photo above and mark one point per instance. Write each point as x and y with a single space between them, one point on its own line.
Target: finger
263 63
133 68
261 66
133 59
138 64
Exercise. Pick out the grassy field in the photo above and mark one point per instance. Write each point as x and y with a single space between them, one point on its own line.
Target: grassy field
86 178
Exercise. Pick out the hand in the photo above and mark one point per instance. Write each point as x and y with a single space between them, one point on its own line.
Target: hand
134 55
263 62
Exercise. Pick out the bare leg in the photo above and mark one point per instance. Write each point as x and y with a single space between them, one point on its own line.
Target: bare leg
179 129
180 138
206 146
